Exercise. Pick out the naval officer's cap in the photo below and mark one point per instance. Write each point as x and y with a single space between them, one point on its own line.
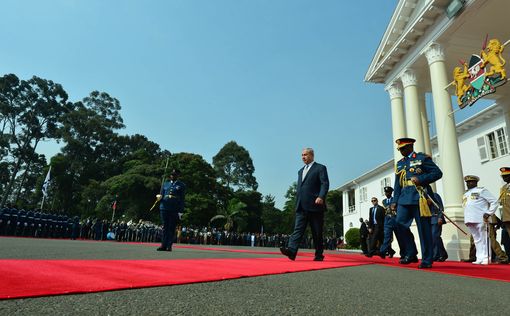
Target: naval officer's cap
388 189
505 171
404 141
471 178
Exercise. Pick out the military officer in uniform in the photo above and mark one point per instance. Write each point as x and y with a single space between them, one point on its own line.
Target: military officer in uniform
413 175
390 227
504 196
478 204
438 220
171 208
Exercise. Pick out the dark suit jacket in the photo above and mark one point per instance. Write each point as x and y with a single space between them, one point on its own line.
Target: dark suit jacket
314 185
379 216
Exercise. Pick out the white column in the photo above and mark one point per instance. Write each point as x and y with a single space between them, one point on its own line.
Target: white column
426 128
425 123
398 122
457 244
413 115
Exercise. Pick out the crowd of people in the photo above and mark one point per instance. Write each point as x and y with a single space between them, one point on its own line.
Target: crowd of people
39 224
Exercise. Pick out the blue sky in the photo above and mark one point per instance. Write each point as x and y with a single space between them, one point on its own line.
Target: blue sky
273 75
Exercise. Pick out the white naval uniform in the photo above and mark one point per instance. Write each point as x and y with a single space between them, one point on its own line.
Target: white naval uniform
477 202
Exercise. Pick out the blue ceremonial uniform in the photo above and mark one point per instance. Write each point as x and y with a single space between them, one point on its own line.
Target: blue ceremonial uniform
390 226
171 205
439 252
406 197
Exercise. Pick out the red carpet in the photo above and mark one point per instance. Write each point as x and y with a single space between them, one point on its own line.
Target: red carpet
32 278
498 272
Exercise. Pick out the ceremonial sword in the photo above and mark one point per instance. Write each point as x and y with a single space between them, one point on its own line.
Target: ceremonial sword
162 182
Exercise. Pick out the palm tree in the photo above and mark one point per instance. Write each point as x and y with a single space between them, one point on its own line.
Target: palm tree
233 212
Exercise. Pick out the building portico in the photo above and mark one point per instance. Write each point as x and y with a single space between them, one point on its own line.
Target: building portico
422 44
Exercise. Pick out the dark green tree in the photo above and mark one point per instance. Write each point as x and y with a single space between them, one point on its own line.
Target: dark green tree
253 210
333 219
234 167
31 112
272 217
289 209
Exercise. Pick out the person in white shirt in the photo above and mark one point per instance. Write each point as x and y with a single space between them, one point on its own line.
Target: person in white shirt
478 204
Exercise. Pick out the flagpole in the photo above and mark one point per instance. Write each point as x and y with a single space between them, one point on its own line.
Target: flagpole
42 203
114 207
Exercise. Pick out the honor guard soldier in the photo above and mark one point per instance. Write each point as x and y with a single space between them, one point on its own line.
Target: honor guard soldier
413 175
390 226
438 220
171 208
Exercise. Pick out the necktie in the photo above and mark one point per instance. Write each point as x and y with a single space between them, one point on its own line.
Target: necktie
305 171
375 209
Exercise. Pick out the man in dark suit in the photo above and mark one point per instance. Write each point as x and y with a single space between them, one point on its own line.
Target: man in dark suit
363 234
312 187
376 227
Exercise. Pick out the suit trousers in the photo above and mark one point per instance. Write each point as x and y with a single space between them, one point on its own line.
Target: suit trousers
316 220
405 216
169 220
377 238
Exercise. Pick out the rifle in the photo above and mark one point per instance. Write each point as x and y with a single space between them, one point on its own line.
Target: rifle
162 182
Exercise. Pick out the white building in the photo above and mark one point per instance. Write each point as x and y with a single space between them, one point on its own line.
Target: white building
484 148
422 44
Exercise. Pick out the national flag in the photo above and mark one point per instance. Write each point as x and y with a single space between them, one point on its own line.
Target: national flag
114 205
46 183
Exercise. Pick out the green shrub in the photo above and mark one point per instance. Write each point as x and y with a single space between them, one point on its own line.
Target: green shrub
352 238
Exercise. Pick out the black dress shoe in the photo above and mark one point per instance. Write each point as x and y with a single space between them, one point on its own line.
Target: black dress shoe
408 260
468 260
161 249
382 255
289 253
424 266
318 258
391 254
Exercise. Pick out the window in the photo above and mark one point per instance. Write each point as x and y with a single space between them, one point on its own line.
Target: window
493 145
363 194
386 182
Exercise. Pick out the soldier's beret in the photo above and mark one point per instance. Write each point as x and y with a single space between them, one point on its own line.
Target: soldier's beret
388 189
505 171
401 142
471 178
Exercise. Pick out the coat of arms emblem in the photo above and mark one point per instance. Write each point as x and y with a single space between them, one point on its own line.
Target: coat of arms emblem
481 81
